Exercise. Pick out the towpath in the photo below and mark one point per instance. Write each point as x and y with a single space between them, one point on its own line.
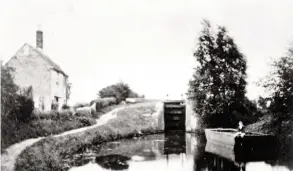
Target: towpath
8 158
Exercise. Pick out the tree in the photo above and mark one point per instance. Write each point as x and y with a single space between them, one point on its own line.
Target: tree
280 83
218 84
120 91
16 103
8 91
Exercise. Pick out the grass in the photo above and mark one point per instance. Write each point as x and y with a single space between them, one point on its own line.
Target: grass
50 153
47 124
15 132
104 110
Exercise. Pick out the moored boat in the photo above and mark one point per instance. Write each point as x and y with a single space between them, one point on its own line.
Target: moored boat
240 146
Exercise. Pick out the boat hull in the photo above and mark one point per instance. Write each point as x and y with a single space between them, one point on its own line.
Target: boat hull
253 146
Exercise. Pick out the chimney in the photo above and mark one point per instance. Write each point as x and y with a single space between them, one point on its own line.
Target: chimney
39 40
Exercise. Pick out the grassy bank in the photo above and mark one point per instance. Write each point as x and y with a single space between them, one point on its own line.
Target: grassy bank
284 132
269 125
50 153
16 132
46 125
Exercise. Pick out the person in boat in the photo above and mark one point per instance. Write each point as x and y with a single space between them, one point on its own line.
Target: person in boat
240 129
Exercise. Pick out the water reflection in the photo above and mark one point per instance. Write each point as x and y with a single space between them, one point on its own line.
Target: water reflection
170 151
113 162
175 143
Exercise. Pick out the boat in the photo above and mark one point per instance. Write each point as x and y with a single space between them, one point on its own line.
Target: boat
234 146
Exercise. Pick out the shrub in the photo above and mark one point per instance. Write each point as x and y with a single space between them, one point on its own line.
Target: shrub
16 103
120 91
53 114
54 106
8 91
78 105
86 121
65 106
84 111
23 109
104 102
43 124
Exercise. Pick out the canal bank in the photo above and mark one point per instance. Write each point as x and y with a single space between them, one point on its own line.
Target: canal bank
8 158
48 154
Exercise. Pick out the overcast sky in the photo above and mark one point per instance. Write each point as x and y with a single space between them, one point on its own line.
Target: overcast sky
145 43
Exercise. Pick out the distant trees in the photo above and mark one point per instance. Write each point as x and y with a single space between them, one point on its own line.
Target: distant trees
120 91
218 84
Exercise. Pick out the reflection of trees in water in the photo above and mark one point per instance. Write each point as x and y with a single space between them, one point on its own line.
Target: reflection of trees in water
131 147
143 146
113 162
175 143
82 156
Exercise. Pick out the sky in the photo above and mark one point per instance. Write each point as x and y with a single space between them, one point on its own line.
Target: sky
148 44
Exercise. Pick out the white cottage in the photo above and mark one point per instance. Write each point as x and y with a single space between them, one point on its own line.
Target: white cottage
34 68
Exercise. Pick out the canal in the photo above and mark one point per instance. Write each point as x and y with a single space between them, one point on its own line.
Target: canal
173 152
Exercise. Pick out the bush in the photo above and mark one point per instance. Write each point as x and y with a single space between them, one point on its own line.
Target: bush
120 91
104 102
78 105
54 106
23 109
84 111
53 114
43 124
65 106
86 121
16 103
8 92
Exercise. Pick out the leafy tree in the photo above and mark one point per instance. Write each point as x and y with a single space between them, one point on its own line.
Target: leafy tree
218 84
280 84
8 91
16 103
120 91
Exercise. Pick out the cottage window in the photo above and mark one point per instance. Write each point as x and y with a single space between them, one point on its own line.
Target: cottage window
57 78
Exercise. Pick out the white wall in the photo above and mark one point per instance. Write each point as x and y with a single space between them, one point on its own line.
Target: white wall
58 87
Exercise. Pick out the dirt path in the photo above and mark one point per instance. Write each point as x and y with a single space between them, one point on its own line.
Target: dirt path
10 155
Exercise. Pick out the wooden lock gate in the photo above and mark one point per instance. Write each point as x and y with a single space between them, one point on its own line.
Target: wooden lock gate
174 115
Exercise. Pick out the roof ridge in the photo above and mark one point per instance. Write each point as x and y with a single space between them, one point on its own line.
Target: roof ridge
47 59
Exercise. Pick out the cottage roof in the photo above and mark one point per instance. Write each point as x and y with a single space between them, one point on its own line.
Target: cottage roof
50 62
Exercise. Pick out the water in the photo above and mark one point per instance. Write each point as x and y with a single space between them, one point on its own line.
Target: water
172 152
